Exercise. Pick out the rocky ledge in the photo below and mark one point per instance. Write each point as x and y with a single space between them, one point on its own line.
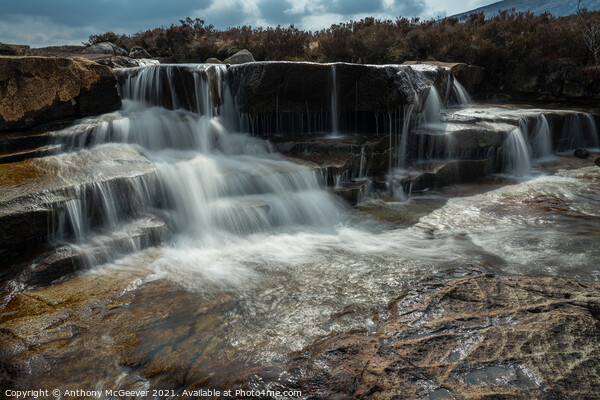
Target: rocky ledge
34 90
479 336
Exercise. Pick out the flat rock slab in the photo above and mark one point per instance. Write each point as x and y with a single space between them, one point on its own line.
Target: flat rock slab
478 337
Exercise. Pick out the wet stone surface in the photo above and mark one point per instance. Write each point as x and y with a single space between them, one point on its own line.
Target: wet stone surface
477 337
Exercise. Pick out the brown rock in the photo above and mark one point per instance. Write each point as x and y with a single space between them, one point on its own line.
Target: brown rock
470 338
39 89
597 162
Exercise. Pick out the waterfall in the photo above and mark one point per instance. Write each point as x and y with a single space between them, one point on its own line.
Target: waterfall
593 133
460 93
361 171
541 139
334 103
432 108
403 151
516 158
208 182
579 131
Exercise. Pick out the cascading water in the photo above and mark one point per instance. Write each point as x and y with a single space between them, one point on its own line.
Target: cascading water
462 96
516 157
594 134
214 183
403 150
432 108
579 131
541 139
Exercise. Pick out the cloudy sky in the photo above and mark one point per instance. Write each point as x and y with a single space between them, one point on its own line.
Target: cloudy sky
52 22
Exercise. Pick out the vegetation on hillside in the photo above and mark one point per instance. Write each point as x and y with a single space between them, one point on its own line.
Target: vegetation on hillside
505 44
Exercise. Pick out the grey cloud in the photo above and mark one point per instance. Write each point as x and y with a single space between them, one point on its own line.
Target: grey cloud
46 22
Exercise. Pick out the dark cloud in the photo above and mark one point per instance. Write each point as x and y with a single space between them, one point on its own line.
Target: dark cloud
50 22
76 13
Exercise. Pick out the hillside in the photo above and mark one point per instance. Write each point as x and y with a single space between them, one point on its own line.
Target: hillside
558 8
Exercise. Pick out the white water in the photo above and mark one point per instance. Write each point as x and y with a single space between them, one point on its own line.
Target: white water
212 183
403 148
516 157
592 129
432 108
541 139
461 94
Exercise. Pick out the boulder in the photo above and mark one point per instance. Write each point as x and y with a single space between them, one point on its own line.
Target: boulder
41 89
213 60
139 52
597 162
581 153
105 48
241 57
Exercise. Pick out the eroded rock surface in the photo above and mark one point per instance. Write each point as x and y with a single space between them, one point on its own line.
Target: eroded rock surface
39 89
479 337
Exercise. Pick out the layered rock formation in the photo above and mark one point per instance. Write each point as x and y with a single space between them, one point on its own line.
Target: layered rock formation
38 89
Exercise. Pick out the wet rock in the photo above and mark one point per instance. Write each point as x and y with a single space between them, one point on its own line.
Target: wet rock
449 172
34 90
288 95
35 196
42 151
475 337
241 57
547 202
93 328
65 260
581 153
460 140
597 162
139 52
352 192
470 76
213 60
181 84
105 48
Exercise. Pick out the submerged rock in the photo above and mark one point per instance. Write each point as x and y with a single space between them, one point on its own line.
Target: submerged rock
581 153
40 89
476 337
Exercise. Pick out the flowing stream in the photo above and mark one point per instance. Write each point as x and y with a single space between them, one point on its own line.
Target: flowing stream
286 261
